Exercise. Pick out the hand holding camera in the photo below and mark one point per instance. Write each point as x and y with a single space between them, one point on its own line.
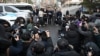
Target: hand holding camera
48 33
96 30
17 38
80 24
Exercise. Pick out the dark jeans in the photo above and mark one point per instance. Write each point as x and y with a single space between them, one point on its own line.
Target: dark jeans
49 19
41 22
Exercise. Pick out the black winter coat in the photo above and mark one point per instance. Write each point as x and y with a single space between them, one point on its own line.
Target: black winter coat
88 35
72 37
48 51
66 53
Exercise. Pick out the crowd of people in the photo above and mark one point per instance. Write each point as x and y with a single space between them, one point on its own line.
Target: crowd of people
78 36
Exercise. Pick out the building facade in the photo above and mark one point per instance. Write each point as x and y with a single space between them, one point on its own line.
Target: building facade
73 1
43 3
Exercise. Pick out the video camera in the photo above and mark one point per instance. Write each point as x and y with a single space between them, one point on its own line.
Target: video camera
40 32
16 32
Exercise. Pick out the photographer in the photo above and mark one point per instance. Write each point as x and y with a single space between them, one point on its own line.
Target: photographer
64 49
18 23
89 33
86 32
16 47
91 49
4 42
41 42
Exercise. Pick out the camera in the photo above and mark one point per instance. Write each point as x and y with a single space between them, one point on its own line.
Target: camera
40 32
15 35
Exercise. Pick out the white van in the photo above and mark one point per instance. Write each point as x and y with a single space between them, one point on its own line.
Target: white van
10 13
23 7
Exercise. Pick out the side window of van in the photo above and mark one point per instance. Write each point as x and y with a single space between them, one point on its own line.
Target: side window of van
1 9
8 9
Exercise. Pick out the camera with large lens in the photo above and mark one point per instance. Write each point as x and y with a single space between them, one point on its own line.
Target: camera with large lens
16 32
41 32
15 35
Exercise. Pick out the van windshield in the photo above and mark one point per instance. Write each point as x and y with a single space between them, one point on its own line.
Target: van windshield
24 8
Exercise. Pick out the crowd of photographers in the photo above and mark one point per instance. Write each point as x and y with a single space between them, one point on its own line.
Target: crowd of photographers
77 36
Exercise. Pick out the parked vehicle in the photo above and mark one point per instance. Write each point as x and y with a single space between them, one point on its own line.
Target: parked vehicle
11 13
95 16
23 7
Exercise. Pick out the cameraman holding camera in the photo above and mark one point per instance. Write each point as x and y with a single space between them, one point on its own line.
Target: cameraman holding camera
16 47
41 44
86 32
89 34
